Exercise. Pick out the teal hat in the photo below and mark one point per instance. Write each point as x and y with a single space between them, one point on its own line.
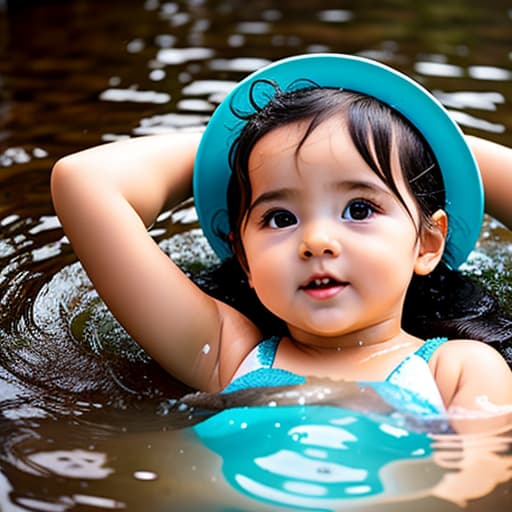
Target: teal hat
463 185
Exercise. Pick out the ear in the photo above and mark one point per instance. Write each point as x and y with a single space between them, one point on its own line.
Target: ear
432 244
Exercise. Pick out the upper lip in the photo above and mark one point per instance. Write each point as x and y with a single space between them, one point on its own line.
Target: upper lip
319 279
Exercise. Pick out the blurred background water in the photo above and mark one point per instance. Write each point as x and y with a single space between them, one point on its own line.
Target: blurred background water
86 418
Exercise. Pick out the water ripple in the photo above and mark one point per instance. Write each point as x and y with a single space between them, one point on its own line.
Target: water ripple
470 99
174 56
438 69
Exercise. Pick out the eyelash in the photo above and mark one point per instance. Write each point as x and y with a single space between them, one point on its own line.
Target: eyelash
271 215
371 205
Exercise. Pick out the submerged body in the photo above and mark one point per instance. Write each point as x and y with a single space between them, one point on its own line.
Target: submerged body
412 374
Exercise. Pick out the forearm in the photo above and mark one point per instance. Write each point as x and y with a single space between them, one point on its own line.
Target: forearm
149 173
495 162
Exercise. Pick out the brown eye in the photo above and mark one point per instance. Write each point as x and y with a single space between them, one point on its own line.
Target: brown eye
358 210
280 219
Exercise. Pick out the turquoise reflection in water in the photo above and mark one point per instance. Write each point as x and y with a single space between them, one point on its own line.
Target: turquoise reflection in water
307 456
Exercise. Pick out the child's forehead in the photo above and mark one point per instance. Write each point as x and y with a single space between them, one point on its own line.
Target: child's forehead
299 138
326 158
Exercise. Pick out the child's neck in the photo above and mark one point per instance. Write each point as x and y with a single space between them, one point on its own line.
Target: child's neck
380 334
348 361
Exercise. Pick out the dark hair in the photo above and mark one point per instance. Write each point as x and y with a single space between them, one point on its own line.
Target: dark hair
444 303
374 128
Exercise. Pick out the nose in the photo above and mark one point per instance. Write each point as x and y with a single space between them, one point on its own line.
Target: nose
319 242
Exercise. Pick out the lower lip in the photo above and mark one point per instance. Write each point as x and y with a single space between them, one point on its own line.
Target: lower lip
324 293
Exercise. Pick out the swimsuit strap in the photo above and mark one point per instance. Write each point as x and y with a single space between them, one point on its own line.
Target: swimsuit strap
429 347
267 351
257 369
414 375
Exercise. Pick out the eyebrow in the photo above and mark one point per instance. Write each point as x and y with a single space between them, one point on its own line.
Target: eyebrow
365 186
347 185
273 195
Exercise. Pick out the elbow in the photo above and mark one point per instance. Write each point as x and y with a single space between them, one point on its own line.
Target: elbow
57 178
63 178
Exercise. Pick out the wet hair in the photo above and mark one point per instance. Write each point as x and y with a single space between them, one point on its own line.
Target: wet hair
443 303
375 129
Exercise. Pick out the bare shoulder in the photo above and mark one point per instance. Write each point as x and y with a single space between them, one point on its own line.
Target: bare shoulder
467 369
465 348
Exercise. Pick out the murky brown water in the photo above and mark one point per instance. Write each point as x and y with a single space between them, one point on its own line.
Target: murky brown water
85 420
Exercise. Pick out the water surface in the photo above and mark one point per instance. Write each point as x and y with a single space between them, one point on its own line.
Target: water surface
87 420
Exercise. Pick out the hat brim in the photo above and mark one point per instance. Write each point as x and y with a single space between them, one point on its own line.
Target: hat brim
463 185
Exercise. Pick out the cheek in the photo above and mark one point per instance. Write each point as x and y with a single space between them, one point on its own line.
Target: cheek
388 257
266 274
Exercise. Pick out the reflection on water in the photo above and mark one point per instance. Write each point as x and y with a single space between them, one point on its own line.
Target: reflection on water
310 457
87 420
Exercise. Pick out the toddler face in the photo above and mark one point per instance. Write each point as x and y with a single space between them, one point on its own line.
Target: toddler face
330 249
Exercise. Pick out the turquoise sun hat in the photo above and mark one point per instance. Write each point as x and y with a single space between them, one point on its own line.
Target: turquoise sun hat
463 185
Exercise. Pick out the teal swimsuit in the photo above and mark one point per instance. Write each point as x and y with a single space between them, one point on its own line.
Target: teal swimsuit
411 381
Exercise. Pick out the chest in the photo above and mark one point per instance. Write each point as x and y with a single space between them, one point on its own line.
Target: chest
353 364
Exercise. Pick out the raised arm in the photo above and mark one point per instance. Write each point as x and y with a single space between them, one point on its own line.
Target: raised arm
105 198
495 162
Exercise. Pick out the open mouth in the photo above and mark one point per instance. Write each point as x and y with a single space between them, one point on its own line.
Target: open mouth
323 288
322 283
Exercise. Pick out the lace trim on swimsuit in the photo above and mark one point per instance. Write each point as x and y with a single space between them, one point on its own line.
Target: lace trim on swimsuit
267 351
429 347
264 377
